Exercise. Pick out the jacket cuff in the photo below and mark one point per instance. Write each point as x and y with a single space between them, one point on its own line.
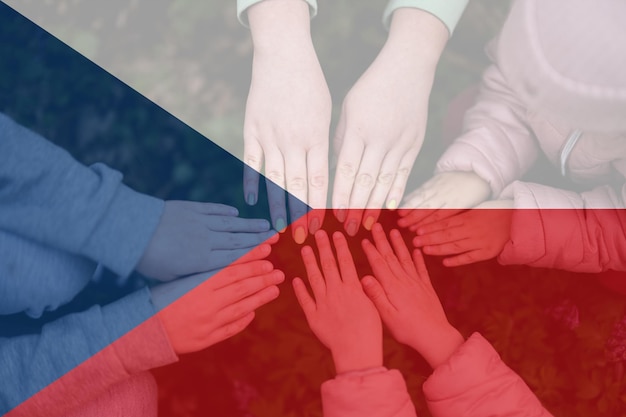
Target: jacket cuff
448 11
527 243
243 5
140 340
122 235
360 394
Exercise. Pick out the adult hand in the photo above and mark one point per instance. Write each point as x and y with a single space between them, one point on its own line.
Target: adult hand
444 195
202 310
476 235
339 313
383 120
287 118
193 237
406 299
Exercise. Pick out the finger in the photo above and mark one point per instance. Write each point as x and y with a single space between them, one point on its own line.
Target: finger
210 208
253 162
451 248
402 252
307 303
381 270
315 277
375 292
238 290
235 224
415 216
436 217
441 237
296 170
362 188
347 168
231 329
327 259
465 258
240 240
370 216
344 259
317 169
384 248
398 186
223 257
249 304
437 226
239 272
275 180
420 265
260 252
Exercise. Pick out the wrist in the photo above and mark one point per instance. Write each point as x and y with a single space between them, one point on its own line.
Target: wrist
369 356
277 24
441 346
418 35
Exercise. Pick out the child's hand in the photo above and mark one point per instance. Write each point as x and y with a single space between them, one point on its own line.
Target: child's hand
406 299
198 312
195 237
473 236
442 196
340 314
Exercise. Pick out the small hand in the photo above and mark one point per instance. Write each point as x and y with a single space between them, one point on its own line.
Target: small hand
475 235
194 237
204 309
339 313
406 300
444 195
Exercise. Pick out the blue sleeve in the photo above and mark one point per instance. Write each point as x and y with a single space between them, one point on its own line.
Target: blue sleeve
49 197
81 355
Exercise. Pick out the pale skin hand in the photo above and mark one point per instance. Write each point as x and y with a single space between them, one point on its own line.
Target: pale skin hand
288 114
444 195
406 299
383 119
339 313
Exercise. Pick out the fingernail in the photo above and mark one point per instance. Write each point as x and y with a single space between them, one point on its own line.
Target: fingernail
368 223
341 214
392 205
233 211
352 227
367 281
280 224
417 242
251 199
300 235
314 225
267 266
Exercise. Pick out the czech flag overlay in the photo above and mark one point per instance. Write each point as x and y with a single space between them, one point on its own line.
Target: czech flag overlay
115 303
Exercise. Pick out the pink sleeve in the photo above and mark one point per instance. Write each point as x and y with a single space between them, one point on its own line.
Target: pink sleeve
476 383
496 144
554 228
375 393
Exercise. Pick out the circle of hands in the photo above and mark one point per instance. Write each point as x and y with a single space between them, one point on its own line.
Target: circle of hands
398 293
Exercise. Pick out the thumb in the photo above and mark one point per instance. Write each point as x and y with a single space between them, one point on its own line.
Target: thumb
376 293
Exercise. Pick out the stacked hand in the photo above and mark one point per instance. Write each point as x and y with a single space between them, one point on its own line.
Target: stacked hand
195 237
444 195
339 313
204 309
406 300
475 235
